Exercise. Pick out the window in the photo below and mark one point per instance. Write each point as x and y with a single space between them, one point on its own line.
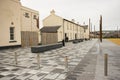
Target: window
84 30
34 17
11 33
67 26
27 15
70 27
71 35
73 27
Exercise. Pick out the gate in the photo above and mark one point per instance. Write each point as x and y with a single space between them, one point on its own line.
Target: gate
29 38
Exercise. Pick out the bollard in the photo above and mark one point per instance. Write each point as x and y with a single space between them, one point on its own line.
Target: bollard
38 60
15 54
63 42
66 63
105 64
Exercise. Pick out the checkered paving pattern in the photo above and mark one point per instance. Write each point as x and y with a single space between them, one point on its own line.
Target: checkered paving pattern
52 63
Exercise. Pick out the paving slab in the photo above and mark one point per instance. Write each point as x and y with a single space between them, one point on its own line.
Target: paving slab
52 63
113 51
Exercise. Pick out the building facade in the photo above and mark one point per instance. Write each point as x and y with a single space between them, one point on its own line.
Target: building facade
29 27
69 30
16 21
49 34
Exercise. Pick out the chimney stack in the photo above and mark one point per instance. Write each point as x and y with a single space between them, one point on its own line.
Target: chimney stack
73 20
52 12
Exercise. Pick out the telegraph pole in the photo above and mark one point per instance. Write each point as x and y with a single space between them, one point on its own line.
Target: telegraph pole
100 28
117 32
89 29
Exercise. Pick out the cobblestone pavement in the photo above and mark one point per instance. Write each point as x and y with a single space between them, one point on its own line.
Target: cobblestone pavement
52 63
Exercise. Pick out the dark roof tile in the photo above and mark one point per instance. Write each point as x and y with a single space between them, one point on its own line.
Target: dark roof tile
50 29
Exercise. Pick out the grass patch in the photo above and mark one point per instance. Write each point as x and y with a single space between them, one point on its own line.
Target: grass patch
115 40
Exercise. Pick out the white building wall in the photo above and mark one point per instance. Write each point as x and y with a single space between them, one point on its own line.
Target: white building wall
70 27
53 20
9 17
29 23
60 34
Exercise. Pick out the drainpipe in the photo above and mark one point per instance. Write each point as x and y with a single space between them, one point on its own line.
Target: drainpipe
63 41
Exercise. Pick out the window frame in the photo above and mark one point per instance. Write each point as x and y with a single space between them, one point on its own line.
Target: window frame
34 16
27 15
12 34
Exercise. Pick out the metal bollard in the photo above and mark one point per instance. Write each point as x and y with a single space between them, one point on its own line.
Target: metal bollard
15 55
38 60
105 64
66 63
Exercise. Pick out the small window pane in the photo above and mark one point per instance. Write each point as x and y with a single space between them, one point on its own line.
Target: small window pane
11 33
27 15
11 29
11 37
34 17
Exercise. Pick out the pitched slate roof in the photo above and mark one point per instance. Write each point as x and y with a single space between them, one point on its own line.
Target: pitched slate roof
50 29
84 26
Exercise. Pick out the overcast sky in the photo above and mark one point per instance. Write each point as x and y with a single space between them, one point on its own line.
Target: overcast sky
80 10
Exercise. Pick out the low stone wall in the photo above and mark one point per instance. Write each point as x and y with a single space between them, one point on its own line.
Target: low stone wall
43 48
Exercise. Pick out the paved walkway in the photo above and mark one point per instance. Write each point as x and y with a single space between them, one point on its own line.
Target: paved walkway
86 68
91 66
52 63
113 52
85 62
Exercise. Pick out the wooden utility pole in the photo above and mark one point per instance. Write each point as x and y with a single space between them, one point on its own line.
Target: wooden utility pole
100 28
89 29
117 32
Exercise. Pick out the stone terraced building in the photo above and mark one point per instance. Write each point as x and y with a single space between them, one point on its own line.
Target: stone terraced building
18 24
56 28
